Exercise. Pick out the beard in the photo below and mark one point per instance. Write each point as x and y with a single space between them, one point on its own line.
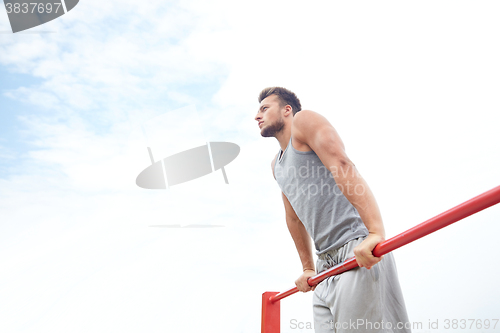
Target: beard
273 129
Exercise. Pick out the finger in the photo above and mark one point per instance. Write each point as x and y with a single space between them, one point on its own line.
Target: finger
373 262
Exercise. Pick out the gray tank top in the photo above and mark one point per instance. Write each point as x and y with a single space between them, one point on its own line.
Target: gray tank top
329 218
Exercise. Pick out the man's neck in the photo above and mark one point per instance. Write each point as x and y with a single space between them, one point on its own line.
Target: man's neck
284 137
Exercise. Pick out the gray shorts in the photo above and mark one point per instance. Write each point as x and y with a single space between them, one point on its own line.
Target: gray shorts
359 300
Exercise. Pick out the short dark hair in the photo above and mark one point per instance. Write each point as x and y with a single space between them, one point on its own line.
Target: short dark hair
285 96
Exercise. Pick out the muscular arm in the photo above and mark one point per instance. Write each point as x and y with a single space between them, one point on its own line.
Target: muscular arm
302 242
314 130
300 236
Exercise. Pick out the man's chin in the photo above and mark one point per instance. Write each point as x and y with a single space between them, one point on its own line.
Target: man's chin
266 134
271 131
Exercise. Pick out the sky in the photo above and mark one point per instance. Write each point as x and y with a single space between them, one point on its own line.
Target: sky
411 87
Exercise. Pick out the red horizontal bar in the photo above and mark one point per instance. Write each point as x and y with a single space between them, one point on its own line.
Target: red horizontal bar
469 207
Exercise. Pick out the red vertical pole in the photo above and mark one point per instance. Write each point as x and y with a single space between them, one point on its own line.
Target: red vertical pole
270 314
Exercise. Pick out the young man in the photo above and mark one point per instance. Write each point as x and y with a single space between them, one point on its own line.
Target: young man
327 199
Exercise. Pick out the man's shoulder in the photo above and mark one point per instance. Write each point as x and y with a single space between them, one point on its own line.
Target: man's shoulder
306 118
303 128
310 126
307 122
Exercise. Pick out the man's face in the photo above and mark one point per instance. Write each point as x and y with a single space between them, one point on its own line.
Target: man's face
269 117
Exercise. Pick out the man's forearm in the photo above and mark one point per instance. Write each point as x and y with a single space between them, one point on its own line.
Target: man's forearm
302 242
